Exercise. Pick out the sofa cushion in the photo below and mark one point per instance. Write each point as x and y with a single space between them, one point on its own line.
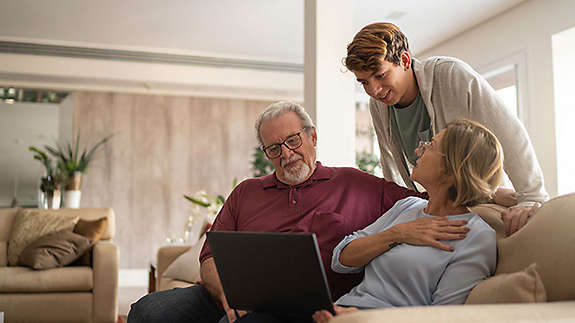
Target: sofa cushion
6 219
17 279
491 213
3 253
29 225
169 283
93 230
548 240
187 266
54 250
520 287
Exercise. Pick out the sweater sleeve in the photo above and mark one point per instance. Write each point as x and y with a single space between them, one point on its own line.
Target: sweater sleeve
471 263
485 106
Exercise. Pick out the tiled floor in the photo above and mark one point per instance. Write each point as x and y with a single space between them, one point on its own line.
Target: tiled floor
127 296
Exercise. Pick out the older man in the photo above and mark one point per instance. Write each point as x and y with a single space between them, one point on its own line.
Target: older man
301 195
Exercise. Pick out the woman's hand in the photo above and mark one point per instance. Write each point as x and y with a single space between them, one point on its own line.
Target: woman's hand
429 231
324 316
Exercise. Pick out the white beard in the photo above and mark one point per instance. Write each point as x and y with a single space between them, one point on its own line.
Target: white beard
298 174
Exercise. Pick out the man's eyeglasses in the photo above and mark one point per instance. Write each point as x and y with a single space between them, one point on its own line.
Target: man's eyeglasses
292 142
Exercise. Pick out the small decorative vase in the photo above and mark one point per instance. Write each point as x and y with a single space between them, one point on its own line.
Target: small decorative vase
49 198
56 199
72 199
74 181
73 194
42 200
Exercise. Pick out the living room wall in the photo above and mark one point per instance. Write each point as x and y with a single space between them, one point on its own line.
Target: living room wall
162 147
525 30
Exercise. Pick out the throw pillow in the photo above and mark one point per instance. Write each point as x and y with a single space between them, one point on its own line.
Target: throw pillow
519 287
93 230
54 250
29 225
187 266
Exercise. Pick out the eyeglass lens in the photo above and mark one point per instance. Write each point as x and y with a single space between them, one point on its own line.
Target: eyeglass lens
292 142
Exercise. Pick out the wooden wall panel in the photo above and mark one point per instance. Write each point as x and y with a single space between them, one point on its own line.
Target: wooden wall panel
163 147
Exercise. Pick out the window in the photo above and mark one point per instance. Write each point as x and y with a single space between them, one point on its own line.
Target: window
563 82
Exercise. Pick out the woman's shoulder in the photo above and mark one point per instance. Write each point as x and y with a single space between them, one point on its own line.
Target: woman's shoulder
410 202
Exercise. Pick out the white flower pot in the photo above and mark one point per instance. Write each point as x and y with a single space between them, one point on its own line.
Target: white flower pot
72 199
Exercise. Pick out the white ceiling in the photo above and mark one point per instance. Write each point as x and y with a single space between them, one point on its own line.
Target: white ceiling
269 30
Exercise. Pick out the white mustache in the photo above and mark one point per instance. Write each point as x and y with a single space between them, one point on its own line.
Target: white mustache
291 159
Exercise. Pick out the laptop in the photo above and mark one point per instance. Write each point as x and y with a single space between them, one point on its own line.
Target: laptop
276 273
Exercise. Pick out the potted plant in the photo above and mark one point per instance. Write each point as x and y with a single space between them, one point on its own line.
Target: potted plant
50 183
73 162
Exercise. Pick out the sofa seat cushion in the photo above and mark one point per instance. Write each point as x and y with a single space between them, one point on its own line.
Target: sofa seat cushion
25 280
169 283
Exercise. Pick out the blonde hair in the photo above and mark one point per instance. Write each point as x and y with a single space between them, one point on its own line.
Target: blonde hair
474 156
374 44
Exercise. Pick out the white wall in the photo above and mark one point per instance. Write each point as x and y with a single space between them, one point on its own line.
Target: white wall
524 31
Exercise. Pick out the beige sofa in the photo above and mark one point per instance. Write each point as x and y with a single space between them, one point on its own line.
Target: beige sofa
547 240
68 294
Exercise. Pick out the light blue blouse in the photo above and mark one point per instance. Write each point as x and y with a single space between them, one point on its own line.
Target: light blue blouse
409 275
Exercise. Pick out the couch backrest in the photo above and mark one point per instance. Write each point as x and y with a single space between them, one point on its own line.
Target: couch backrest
548 239
7 217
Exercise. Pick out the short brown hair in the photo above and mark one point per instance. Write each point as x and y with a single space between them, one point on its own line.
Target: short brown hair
374 44
474 156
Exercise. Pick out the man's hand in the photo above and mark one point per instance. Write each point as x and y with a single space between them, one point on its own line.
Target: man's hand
324 316
429 231
212 283
515 218
505 197
231 313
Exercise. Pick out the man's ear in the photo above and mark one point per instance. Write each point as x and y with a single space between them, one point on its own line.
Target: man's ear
406 60
314 136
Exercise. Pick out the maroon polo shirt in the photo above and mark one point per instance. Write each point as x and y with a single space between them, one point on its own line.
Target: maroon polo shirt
332 203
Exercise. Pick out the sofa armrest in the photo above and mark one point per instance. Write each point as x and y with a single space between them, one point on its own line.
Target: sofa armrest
167 255
496 313
105 267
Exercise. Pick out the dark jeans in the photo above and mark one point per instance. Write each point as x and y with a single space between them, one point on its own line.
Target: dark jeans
268 318
191 304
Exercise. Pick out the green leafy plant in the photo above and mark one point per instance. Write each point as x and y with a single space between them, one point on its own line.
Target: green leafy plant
51 181
211 203
367 162
71 160
261 166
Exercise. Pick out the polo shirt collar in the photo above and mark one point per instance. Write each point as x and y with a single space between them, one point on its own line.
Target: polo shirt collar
320 173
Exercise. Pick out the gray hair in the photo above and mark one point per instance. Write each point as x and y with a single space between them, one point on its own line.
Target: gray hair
276 109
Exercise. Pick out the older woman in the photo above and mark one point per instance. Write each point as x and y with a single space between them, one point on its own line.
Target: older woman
461 167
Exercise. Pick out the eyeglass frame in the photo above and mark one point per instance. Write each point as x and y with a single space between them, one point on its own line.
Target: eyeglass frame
423 146
298 134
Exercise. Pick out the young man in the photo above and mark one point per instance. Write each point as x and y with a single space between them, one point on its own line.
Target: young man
413 100
301 195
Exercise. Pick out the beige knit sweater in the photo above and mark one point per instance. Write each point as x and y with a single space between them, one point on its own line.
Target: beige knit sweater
451 89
